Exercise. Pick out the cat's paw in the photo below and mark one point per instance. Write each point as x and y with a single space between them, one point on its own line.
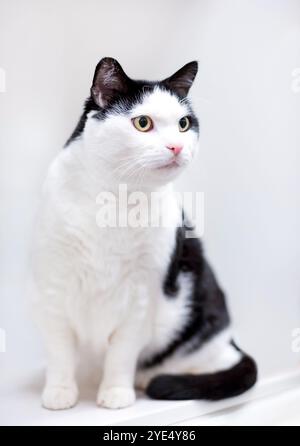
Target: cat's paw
116 397
59 397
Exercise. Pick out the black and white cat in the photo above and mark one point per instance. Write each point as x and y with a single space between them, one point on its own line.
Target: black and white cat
144 298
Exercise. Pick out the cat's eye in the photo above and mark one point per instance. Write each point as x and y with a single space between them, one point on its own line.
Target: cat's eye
143 123
184 124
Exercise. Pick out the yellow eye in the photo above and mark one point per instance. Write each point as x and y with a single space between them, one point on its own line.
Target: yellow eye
184 124
143 123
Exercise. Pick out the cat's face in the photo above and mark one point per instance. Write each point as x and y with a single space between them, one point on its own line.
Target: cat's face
144 133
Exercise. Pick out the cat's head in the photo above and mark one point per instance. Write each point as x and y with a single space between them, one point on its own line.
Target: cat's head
141 131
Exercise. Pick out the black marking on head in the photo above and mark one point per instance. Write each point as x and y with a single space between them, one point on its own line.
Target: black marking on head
207 314
113 91
193 118
122 104
88 107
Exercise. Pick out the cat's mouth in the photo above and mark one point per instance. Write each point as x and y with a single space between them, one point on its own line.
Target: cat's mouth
170 165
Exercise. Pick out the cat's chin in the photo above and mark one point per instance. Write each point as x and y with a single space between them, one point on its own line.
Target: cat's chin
161 175
169 170
169 166
154 178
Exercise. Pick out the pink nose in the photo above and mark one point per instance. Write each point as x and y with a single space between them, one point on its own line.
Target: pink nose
175 149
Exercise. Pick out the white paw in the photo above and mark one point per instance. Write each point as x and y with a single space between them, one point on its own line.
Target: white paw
116 397
59 397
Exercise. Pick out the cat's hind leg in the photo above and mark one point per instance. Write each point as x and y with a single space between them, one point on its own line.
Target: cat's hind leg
218 370
225 382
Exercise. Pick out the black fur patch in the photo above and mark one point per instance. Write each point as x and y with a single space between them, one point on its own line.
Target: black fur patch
214 386
88 107
124 103
208 314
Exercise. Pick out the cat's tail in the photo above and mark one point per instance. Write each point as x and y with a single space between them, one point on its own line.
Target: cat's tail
211 386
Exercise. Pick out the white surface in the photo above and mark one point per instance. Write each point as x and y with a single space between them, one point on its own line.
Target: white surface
248 164
279 410
20 405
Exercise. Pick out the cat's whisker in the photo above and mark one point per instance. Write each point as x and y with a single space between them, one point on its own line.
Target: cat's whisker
124 165
130 171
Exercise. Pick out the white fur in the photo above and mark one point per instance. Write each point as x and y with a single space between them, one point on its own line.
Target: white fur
103 286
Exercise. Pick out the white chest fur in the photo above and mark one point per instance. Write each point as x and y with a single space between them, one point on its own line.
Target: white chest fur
98 271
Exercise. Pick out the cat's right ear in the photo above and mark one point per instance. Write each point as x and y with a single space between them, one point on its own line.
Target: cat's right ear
109 82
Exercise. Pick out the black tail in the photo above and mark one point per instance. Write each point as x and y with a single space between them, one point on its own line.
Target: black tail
214 386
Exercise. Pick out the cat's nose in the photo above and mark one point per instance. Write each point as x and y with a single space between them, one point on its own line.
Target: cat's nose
175 149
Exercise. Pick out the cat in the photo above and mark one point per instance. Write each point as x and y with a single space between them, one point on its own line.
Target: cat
144 298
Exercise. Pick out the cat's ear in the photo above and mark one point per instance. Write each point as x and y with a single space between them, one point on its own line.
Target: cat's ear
109 82
182 80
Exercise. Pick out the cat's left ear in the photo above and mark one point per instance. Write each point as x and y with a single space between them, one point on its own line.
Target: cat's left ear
181 81
109 83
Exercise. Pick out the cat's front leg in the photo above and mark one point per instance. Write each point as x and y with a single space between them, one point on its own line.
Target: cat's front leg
117 387
60 391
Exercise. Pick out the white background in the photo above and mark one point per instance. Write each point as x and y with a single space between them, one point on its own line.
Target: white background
248 164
